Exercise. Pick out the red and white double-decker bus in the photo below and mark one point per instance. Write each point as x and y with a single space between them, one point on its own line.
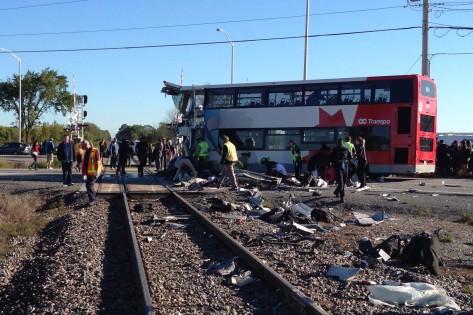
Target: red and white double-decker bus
395 114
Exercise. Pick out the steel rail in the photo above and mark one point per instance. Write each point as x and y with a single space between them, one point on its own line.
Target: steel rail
146 306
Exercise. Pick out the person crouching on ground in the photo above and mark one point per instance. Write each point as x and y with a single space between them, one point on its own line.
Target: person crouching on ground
91 169
229 157
278 170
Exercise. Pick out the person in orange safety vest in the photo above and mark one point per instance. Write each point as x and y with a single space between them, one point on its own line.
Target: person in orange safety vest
91 169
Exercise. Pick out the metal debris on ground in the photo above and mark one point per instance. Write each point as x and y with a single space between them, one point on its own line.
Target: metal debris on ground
301 209
450 185
392 198
367 220
169 218
342 273
298 229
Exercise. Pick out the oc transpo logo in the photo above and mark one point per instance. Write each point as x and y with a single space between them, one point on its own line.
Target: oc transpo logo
369 121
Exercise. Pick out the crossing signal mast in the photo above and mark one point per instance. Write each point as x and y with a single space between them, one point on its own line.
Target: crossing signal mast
78 115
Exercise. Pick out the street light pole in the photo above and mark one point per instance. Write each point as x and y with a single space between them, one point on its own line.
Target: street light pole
19 88
233 50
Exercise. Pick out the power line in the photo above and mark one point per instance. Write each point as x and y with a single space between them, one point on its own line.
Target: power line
195 24
42 5
219 42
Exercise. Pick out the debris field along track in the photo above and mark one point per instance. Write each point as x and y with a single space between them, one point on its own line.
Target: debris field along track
190 262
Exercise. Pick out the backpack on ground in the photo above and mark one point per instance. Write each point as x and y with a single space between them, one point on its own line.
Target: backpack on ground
423 249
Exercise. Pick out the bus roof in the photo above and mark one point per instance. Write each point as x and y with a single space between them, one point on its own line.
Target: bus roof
171 88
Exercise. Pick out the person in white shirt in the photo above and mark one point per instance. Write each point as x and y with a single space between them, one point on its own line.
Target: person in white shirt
278 170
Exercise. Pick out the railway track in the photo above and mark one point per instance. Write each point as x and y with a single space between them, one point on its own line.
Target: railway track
184 262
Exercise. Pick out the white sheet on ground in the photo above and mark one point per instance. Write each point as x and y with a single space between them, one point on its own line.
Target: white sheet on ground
411 294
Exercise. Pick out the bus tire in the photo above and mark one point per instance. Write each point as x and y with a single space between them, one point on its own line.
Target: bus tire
317 162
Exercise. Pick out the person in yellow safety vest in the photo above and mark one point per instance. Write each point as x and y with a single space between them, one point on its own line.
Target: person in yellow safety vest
296 158
91 169
351 156
242 163
201 154
79 153
229 157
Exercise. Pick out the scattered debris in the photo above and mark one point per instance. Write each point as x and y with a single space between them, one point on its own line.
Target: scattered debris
321 215
256 201
175 226
421 184
275 215
450 185
367 220
298 229
392 198
171 218
234 216
219 205
224 269
383 255
149 239
411 294
302 209
140 207
434 195
342 273
242 279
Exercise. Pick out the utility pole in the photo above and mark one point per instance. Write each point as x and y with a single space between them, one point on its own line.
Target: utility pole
306 48
425 38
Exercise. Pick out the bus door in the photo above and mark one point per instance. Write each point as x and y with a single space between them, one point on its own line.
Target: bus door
403 138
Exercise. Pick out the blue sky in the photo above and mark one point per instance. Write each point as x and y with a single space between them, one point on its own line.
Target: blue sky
123 86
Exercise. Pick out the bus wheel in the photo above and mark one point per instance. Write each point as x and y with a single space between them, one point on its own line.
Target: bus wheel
317 162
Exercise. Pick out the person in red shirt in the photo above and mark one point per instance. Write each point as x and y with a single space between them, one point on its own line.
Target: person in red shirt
34 155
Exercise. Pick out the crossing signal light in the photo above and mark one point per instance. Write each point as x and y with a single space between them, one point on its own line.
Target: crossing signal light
85 99
85 113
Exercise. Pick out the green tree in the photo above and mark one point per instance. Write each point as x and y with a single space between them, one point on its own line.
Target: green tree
94 134
41 93
8 134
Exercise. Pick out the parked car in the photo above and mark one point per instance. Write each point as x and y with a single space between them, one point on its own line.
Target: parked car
13 148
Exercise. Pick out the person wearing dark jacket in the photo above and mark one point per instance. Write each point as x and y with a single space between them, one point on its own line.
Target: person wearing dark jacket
362 161
443 159
142 153
123 149
339 159
65 154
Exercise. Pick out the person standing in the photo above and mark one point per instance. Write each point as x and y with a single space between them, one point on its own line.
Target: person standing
102 148
142 153
443 159
296 158
229 157
91 169
34 155
352 162
79 153
49 148
158 153
362 161
339 159
65 154
113 153
201 154
123 150
165 154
